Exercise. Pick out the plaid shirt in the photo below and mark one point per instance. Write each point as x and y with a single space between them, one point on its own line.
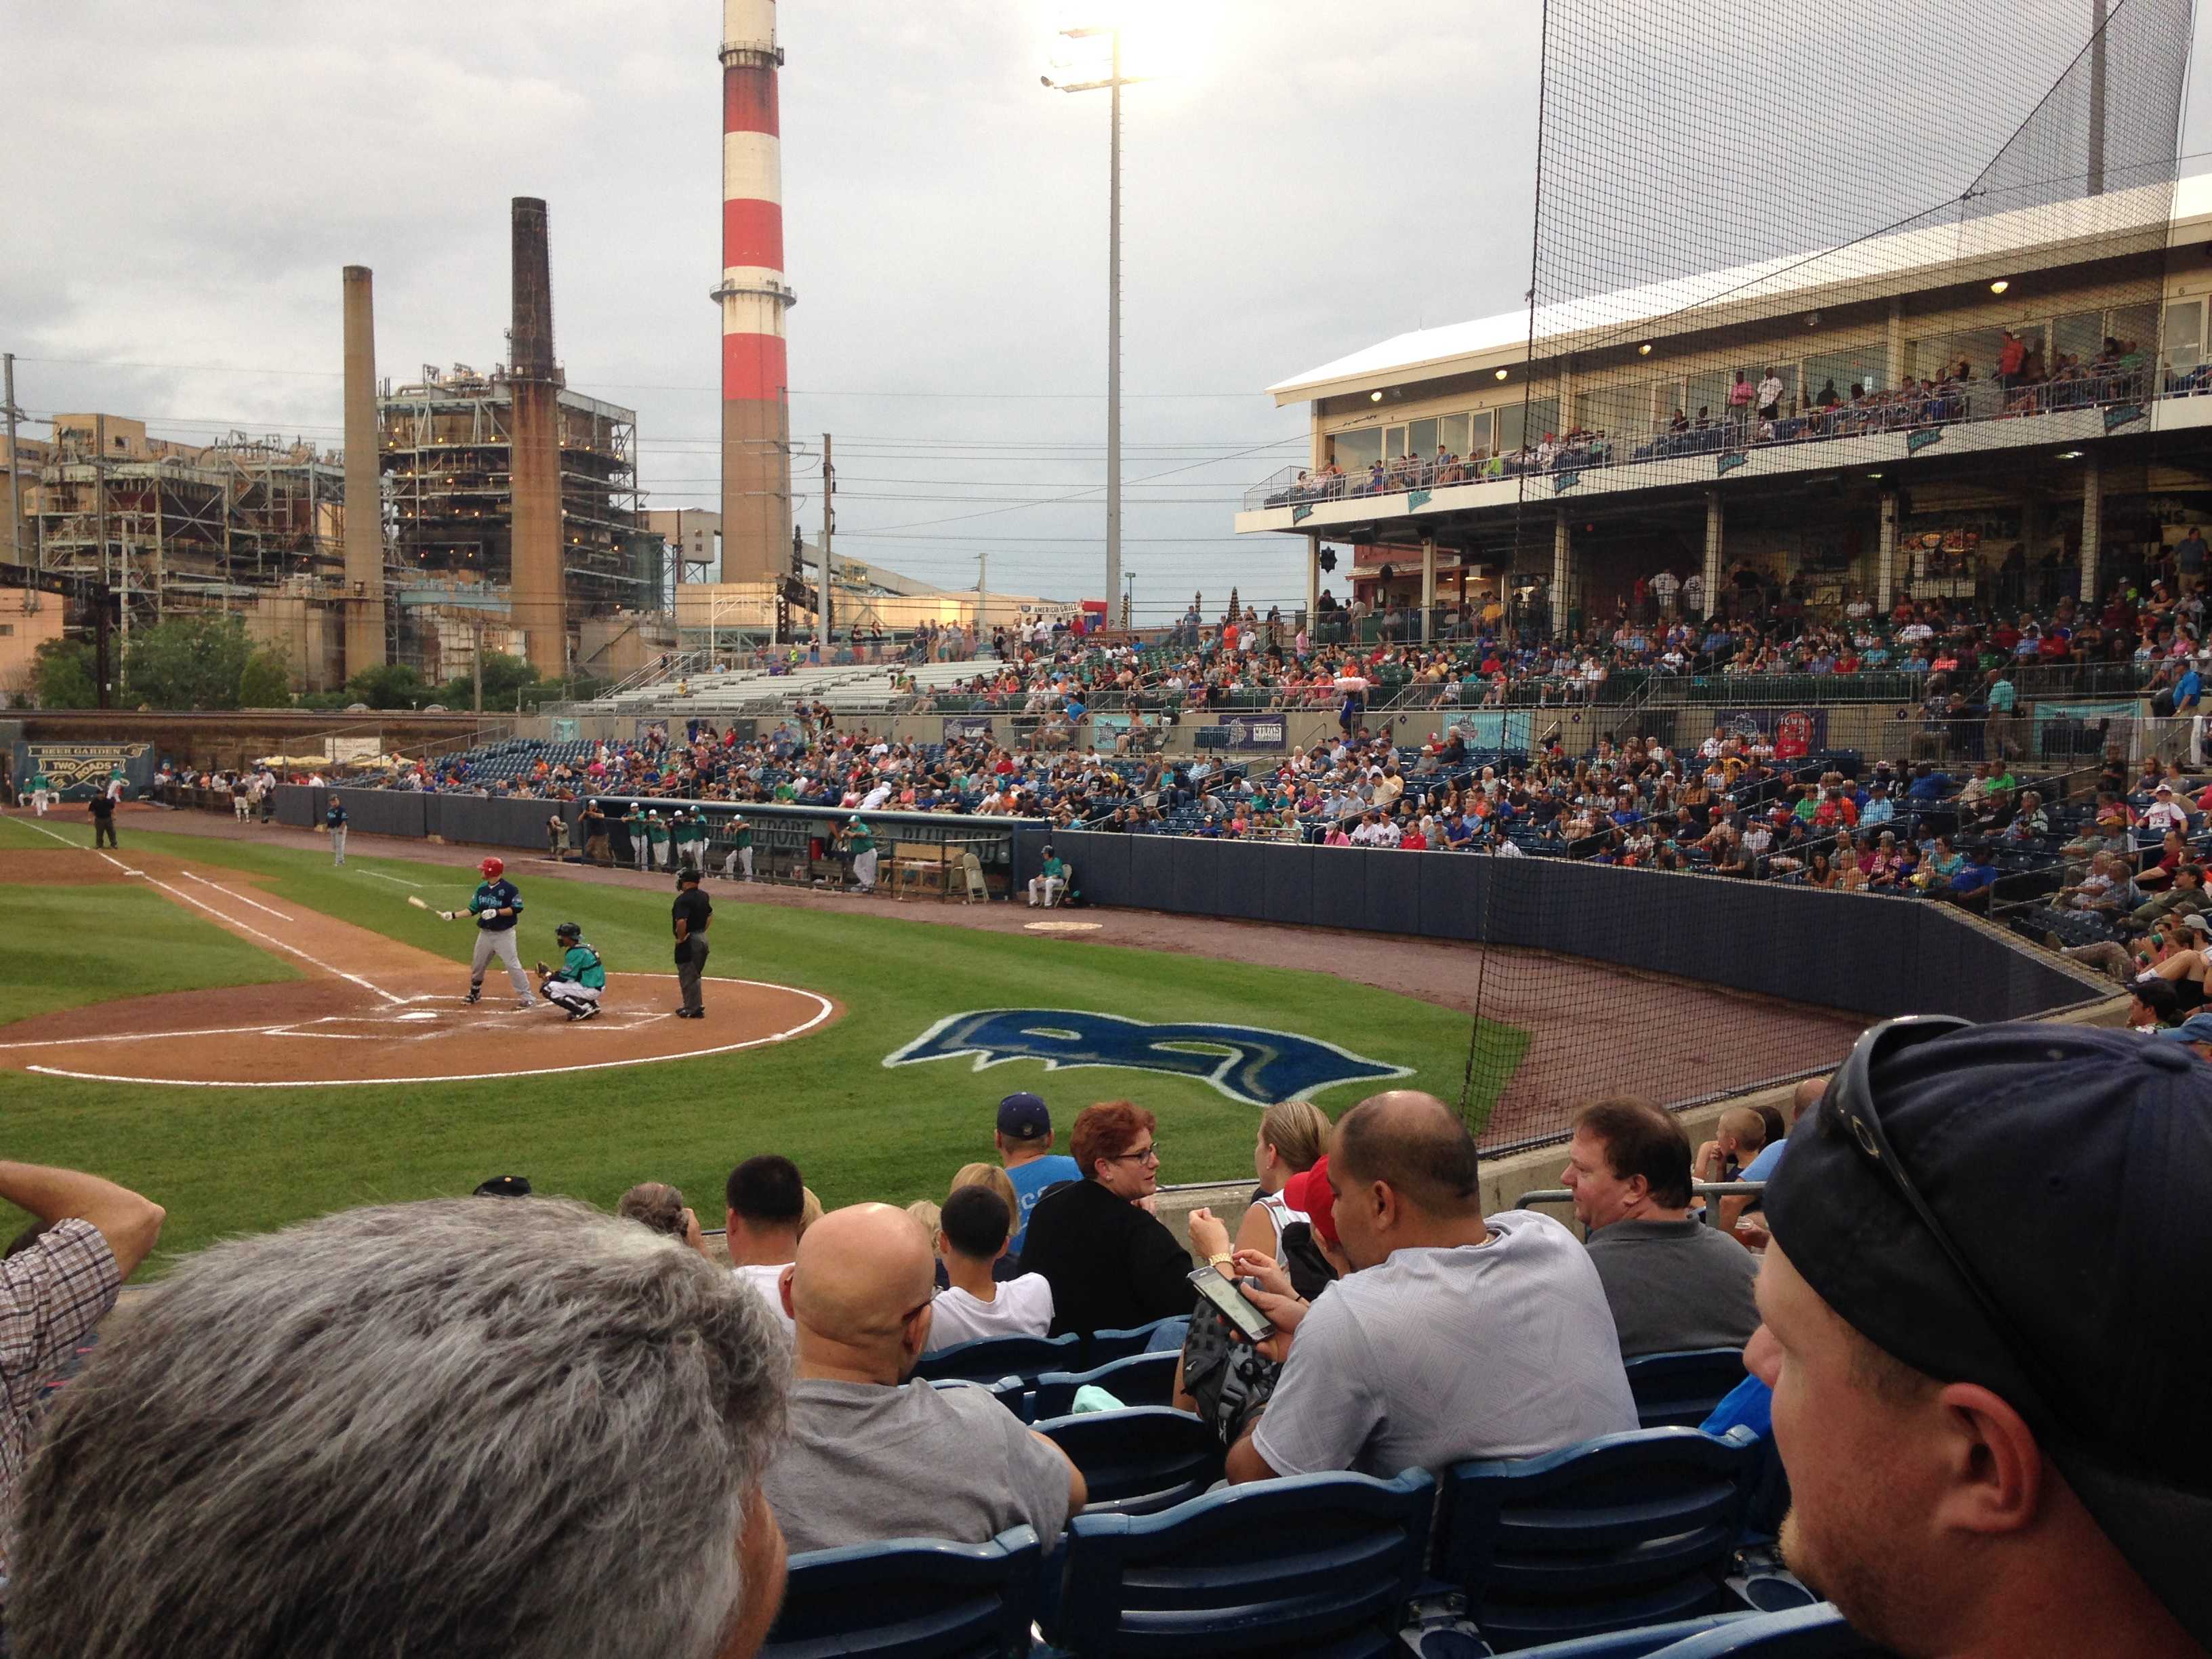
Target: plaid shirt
51 1294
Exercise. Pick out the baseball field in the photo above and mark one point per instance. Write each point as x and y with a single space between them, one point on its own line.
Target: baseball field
252 1035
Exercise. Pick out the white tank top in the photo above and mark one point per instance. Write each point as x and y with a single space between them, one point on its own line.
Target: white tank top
1280 1214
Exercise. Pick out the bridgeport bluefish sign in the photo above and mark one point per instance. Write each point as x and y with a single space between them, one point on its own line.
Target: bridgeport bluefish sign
1245 1062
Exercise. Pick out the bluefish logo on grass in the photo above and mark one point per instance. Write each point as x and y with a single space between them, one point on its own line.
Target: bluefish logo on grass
1245 1062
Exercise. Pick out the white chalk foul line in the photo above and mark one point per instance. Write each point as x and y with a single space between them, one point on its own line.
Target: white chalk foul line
821 1013
392 878
33 824
266 938
135 1036
241 897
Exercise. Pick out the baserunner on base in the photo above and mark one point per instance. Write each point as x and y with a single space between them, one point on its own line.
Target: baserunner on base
497 907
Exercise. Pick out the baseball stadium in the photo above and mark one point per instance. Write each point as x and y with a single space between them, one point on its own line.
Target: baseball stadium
1601 1062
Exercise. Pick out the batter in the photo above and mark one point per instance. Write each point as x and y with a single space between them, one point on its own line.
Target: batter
497 906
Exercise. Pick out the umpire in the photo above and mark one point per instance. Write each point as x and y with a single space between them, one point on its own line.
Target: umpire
690 915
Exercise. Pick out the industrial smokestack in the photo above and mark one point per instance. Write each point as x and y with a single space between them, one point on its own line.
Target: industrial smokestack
753 295
536 585
364 520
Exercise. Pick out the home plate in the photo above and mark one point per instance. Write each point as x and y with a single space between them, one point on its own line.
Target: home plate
1063 926
422 1014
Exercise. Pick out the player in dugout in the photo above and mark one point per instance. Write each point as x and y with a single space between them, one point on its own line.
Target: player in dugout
577 983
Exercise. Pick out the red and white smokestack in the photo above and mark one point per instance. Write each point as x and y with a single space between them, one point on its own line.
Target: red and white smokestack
753 295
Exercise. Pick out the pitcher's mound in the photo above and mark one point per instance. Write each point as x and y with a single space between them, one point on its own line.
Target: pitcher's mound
322 1033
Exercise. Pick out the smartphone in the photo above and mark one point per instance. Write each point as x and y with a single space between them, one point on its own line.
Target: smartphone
1235 1305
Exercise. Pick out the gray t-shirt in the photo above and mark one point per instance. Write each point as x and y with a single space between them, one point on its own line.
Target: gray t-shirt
1497 1350
866 1463
1675 1286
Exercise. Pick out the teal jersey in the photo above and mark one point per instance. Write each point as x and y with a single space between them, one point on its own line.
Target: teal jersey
1056 868
582 964
657 832
742 836
863 839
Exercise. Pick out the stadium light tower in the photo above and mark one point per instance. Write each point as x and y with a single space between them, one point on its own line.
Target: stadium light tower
1113 83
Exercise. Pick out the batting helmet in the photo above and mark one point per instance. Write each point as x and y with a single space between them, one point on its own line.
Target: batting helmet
493 869
567 930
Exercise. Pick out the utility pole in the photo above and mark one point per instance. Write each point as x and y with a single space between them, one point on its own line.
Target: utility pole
14 479
983 597
1114 339
476 665
826 616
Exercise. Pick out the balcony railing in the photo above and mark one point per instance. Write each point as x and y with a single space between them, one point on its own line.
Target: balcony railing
1738 430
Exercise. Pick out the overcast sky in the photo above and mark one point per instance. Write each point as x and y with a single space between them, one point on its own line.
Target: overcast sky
188 179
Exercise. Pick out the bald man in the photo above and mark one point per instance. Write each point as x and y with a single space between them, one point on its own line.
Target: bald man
1454 1336
872 1456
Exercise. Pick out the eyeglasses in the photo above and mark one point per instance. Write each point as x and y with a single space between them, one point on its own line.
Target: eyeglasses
1847 1107
1143 1155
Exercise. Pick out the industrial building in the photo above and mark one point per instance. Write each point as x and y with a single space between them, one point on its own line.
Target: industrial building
446 443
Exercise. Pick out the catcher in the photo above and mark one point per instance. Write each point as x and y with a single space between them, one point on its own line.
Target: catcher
576 984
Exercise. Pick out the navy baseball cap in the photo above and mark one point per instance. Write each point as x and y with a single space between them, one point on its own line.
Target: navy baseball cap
505 1187
1024 1117
2062 1169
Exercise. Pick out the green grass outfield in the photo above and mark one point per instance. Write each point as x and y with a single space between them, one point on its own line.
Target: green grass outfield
226 1161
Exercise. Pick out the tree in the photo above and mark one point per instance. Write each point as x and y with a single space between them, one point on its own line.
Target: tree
502 677
388 685
188 662
267 681
62 675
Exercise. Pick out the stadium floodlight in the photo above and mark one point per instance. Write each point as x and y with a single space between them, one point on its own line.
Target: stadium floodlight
1501 373
1644 351
1375 396
1999 286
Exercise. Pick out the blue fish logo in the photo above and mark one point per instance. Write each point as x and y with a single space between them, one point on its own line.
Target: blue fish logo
1245 1062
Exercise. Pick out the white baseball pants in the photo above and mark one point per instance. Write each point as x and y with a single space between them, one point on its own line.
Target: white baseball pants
499 943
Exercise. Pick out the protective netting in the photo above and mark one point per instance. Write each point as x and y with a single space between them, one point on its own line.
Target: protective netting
1848 332
1759 228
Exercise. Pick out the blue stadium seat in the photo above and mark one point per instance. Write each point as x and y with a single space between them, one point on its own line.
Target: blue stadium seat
911 1598
991 1358
1142 1379
1105 1347
1814 1633
1679 1390
1640 1642
1320 1566
1623 1530
1139 1460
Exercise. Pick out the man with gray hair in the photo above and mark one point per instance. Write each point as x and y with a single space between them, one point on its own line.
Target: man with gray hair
520 1430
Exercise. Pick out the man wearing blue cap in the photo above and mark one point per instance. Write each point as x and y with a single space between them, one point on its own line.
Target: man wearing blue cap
1989 1389
1024 1140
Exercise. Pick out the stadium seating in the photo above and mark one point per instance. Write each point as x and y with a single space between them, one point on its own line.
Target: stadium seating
1813 1632
1103 1346
1139 1460
1320 1566
991 1358
1680 1389
911 1598
1623 1530
1142 1379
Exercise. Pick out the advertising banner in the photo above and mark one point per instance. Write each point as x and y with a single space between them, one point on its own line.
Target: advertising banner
1503 728
1253 731
958 726
78 771
1794 733
339 752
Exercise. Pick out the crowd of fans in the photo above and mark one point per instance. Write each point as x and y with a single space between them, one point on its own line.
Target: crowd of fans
1767 411
514 1425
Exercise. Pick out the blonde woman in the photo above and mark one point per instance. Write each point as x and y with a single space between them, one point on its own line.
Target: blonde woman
1293 1134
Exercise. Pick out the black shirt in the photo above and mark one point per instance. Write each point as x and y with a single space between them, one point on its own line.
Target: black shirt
692 910
101 807
1111 1266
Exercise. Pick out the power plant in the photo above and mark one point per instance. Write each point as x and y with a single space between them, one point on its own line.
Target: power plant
753 295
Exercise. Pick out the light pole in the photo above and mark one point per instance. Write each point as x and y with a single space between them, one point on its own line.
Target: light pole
1113 83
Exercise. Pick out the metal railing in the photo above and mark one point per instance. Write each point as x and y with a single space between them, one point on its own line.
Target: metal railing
1735 429
1698 1188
